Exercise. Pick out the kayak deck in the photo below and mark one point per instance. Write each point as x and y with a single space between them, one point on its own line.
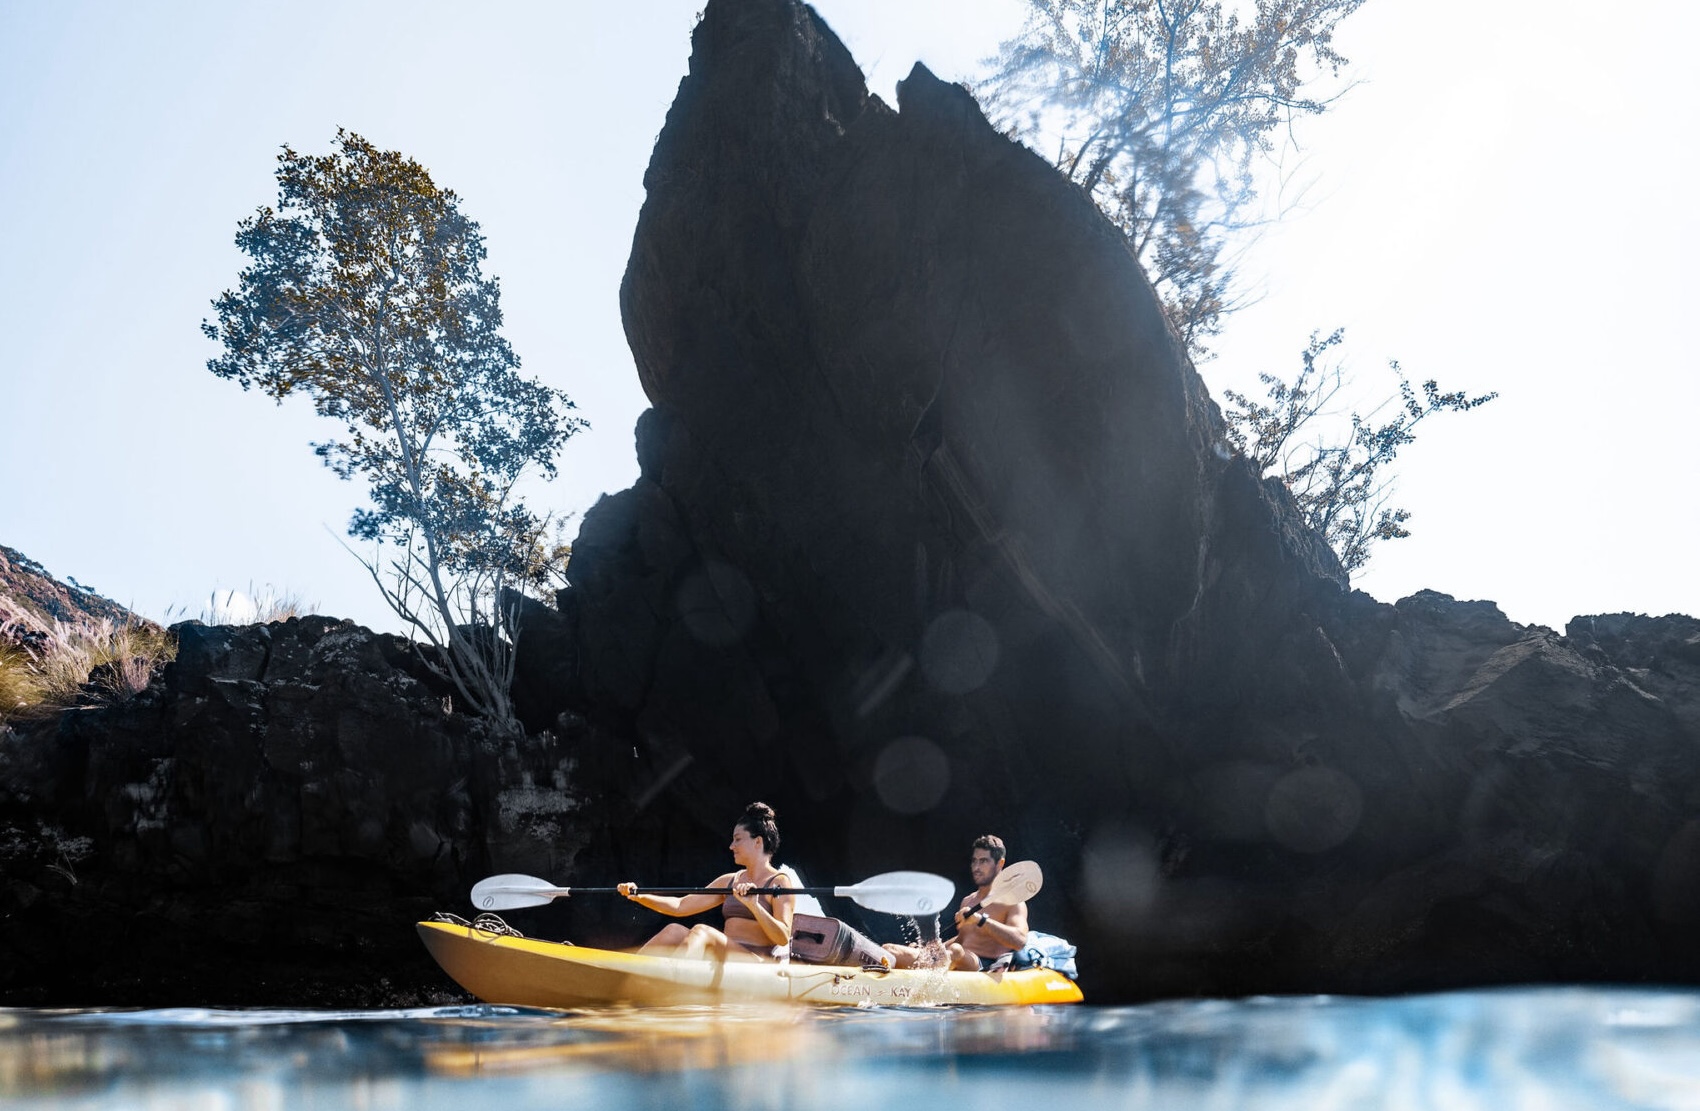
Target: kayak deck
526 972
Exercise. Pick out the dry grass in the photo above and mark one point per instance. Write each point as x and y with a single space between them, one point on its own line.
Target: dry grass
20 687
256 607
71 664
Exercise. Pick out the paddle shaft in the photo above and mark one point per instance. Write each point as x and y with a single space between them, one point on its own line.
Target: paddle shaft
699 891
994 895
976 907
890 893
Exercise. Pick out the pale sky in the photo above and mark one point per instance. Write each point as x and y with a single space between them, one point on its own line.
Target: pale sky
1502 202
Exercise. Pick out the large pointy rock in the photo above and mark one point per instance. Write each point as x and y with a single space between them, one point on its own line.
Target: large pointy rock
928 484
899 344
936 533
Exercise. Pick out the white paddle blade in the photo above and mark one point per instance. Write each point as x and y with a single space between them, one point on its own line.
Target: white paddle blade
911 893
1017 883
513 890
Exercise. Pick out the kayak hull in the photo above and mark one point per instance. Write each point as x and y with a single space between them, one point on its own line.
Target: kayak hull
525 972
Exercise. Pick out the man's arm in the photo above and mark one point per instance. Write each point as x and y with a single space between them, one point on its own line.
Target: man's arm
1005 924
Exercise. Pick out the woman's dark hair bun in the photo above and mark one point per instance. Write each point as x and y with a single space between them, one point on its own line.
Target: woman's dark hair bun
758 821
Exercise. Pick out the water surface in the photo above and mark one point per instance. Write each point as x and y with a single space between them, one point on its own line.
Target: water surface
1549 1048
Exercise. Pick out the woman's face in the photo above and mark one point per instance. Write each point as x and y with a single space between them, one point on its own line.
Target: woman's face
747 851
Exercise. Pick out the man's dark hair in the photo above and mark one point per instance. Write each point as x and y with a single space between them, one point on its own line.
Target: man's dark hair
992 843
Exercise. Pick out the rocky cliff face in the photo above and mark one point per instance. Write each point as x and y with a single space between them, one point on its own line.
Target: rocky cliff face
937 534
263 825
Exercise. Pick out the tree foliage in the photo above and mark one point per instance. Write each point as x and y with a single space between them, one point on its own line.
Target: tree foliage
365 291
1343 486
1160 111
1163 112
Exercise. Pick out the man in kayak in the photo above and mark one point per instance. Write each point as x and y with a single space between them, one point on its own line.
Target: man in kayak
756 926
985 931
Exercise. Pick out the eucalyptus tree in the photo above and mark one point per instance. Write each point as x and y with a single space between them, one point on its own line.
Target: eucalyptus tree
365 291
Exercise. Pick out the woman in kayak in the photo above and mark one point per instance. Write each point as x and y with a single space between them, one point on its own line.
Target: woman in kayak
756 926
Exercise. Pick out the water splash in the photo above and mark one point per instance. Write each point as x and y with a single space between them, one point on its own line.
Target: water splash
931 957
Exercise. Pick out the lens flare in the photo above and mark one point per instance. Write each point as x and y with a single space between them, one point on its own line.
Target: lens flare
959 652
1121 874
911 775
1313 809
717 604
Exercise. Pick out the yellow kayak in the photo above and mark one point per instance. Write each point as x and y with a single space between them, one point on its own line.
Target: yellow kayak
525 972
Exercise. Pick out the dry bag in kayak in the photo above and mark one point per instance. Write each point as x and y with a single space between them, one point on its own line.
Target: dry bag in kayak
817 940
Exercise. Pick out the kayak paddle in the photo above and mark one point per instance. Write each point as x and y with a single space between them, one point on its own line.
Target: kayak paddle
891 893
1017 883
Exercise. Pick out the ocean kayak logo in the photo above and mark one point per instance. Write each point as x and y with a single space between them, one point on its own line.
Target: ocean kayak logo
924 905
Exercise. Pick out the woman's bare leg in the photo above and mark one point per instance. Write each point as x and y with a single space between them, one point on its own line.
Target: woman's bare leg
704 942
667 941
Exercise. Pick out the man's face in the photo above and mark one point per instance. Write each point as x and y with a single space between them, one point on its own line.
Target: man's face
983 868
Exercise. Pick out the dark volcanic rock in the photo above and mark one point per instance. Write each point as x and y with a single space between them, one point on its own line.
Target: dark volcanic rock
263 826
937 533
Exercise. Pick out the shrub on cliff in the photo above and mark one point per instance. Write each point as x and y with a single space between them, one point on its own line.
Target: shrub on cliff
1342 485
366 293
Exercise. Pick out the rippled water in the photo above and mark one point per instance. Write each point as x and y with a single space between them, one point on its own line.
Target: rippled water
1553 1048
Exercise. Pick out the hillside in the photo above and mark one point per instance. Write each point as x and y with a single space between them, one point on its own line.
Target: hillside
31 598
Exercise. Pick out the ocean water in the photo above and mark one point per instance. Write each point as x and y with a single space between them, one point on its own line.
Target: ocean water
1544 1049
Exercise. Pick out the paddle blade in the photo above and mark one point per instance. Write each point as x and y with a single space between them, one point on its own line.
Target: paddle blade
513 890
1017 883
911 893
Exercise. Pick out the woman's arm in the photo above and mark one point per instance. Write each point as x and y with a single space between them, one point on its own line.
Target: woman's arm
777 923
679 906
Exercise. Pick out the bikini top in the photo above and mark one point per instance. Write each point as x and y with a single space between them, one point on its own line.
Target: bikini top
731 907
